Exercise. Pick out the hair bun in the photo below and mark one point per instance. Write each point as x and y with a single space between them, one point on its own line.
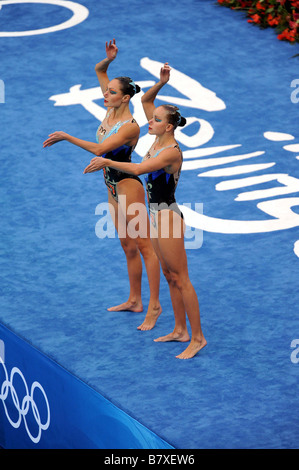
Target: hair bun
182 122
128 86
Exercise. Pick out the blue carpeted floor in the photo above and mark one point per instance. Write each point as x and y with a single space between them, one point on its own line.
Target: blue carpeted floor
58 277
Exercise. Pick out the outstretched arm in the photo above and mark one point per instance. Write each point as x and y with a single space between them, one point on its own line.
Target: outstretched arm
168 158
126 135
102 67
149 97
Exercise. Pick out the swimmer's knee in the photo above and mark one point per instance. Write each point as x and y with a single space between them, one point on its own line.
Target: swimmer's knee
129 247
145 247
175 280
167 275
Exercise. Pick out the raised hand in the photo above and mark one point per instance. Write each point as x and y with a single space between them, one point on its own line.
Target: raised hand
111 50
165 73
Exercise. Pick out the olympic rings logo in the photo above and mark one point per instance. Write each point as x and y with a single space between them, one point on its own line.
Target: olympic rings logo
24 405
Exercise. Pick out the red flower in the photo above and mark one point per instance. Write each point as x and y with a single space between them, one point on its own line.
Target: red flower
273 21
282 14
255 19
287 35
261 7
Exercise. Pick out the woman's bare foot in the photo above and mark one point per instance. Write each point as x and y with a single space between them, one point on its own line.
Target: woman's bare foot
150 319
174 336
130 305
194 347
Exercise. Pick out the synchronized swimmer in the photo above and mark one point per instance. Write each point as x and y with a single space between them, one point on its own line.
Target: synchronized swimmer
116 138
162 165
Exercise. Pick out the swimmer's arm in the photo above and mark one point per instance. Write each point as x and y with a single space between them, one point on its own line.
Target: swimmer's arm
102 67
165 159
101 71
149 97
59 136
127 133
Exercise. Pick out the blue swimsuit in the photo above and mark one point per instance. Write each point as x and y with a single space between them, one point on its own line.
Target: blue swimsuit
121 154
160 188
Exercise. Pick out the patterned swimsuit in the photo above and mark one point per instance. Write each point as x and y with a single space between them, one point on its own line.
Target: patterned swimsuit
121 154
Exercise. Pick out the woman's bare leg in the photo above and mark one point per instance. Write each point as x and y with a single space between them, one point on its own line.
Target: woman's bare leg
173 252
134 264
139 230
180 332
153 273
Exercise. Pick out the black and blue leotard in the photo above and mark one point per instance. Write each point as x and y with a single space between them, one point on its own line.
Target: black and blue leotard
161 186
121 154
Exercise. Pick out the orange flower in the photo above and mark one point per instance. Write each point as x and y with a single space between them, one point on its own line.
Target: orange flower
282 14
255 19
273 21
287 35
261 7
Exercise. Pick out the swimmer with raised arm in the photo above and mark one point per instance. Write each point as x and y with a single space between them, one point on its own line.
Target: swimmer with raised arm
116 138
163 164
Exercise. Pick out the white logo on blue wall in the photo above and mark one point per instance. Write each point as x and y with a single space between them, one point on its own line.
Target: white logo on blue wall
20 404
2 350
